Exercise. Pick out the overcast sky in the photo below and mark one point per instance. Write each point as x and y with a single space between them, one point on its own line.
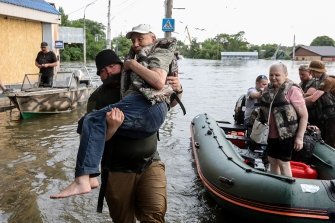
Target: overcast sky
263 21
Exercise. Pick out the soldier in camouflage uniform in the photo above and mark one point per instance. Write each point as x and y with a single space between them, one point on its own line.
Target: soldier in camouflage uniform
321 103
306 78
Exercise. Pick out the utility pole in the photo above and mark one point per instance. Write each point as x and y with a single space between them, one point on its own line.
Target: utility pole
108 39
168 13
293 50
85 31
188 34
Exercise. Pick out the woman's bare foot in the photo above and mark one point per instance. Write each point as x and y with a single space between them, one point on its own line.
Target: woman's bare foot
94 182
80 185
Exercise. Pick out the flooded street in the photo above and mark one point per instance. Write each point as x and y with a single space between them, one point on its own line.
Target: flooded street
37 156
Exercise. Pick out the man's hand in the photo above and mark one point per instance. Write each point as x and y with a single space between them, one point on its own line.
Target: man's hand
176 87
114 120
128 63
174 83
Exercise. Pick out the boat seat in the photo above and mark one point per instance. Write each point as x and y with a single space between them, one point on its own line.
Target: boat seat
87 82
240 141
237 137
235 133
232 127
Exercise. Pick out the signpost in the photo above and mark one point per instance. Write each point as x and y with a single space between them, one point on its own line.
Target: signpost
59 44
168 25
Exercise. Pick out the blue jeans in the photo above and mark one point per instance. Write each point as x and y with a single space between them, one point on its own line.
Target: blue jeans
141 120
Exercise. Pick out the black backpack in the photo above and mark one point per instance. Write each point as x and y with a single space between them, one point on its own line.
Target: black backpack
311 136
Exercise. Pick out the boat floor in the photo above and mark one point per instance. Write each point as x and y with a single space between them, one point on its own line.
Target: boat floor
253 154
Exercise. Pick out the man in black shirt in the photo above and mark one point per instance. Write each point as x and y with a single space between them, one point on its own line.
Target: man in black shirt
46 61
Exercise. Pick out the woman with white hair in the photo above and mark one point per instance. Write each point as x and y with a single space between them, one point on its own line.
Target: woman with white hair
284 100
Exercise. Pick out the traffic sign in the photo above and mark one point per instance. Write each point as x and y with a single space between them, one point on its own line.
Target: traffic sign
168 25
59 44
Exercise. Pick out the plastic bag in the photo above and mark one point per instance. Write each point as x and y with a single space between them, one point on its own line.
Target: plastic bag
260 132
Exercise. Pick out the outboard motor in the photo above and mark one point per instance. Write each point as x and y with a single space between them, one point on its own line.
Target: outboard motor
79 76
239 110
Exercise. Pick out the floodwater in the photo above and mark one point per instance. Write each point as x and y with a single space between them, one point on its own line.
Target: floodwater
37 156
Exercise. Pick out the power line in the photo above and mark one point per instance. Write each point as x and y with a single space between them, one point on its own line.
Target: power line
79 8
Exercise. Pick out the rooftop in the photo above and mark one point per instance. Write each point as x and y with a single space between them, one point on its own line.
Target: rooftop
39 5
321 50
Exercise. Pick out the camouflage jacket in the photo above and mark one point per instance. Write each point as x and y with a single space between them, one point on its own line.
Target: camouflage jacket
324 108
158 55
286 118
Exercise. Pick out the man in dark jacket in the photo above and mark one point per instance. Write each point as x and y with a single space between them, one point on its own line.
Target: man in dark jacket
136 185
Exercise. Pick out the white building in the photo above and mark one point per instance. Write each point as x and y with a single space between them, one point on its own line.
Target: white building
239 55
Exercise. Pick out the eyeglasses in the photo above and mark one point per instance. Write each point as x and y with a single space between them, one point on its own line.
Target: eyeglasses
261 77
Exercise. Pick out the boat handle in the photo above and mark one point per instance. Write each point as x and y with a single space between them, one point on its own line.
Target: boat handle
197 145
332 185
226 180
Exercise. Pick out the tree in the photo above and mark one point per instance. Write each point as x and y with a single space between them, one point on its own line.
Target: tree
95 37
233 43
323 41
64 18
211 48
121 45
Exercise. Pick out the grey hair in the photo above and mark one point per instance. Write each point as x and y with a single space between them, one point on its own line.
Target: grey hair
280 65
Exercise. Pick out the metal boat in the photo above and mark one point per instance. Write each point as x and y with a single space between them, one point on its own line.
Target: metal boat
69 90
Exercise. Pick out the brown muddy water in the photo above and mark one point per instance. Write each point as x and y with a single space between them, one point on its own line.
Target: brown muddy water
37 156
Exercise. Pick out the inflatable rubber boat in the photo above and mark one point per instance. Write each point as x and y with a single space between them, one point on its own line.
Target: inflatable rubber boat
222 157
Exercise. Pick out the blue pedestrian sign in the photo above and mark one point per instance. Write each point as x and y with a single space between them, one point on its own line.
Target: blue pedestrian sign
168 25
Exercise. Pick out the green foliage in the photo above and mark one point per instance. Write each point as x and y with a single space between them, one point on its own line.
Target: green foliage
64 18
266 51
323 41
121 46
211 48
73 52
